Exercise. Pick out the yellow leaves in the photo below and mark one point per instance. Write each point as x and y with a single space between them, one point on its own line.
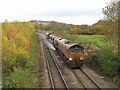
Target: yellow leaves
115 51
4 58
25 42
22 41
23 52
16 40
74 30
31 26
28 56
13 62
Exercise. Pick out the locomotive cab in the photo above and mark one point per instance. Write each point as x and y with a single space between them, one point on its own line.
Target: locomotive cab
75 56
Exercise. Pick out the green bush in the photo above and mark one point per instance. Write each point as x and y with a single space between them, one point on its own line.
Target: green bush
21 78
106 60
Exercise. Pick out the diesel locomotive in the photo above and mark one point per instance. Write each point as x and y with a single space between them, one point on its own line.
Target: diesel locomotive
72 52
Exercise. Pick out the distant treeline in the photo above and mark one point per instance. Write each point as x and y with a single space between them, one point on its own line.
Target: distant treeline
102 27
106 26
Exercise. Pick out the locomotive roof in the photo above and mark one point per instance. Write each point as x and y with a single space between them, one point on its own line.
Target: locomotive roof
68 43
68 46
48 33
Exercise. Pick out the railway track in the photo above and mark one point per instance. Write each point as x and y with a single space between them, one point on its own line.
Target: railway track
79 79
89 79
54 71
76 78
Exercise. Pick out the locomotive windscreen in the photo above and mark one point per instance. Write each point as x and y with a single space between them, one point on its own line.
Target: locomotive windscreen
76 49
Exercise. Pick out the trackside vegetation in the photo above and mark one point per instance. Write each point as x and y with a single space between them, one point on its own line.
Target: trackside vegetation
99 40
100 53
20 48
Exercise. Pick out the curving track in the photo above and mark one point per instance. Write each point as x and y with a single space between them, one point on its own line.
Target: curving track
98 86
90 83
56 77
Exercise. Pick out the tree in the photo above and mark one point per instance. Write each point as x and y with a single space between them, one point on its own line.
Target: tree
119 30
111 14
74 30
111 11
102 27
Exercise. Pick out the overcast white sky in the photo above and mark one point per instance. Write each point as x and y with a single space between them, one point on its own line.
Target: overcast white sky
67 11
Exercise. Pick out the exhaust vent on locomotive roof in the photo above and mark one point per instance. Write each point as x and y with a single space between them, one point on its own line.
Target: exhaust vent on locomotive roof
76 47
60 38
67 42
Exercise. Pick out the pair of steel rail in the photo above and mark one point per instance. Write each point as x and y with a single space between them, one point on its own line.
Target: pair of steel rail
84 85
58 68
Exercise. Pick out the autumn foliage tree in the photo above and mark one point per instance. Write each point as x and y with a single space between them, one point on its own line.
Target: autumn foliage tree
15 44
111 14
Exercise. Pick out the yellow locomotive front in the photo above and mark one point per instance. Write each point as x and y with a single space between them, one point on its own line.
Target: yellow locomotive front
75 56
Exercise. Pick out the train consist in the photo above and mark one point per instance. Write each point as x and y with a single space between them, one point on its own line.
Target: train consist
72 52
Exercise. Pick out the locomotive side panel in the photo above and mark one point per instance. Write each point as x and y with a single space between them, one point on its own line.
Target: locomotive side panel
62 48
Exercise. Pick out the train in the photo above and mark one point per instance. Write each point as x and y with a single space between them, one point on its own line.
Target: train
72 52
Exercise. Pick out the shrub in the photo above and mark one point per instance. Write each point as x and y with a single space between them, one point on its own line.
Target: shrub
106 60
21 78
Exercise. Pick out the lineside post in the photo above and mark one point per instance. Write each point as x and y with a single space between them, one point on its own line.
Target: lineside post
119 39
119 30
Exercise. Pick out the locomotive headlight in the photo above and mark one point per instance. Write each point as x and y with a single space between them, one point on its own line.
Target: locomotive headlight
81 58
70 59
